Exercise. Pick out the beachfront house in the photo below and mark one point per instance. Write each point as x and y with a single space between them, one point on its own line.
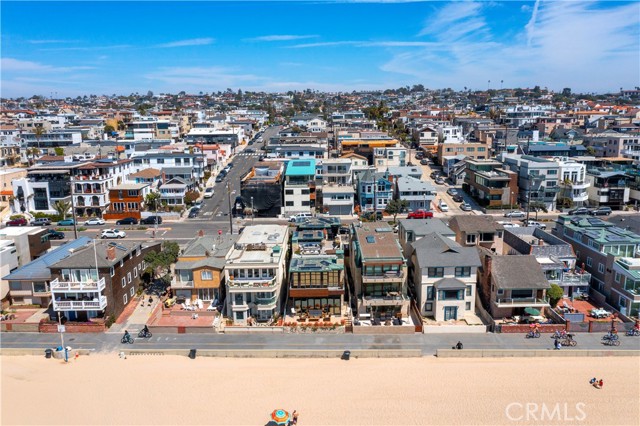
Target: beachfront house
254 272
444 277
510 284
98 279
198 273
379 272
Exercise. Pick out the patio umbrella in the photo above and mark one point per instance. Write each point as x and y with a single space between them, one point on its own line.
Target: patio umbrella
532 311
280 417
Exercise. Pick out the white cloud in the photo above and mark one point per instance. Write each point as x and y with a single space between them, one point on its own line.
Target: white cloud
52 41
17 65
86 48
582 45
283 37
199 77
190 42
324 44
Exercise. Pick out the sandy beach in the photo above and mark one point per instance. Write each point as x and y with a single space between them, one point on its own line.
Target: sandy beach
167 390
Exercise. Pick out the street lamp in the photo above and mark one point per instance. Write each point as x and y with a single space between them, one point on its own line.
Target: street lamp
229 192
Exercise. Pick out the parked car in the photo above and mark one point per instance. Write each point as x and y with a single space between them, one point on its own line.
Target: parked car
21 221
536 224
601 211
465 207
220 177
55 235
95 221
250 151
458 198
452 191
193 213
440 180
420 214
208 193
507 224
41 221
434 175
151 220
443 206
127 221
298 217
230 166
371 215
113 233
579 210
515 214
66 222
424 162
261 158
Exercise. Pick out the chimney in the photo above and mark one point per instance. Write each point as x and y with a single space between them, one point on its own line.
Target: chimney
201 233
164 178
540 242
487 264
111 253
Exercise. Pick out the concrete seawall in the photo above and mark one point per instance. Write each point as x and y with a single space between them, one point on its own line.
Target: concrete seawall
517 353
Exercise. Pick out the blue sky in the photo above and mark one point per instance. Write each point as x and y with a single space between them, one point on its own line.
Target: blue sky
77 48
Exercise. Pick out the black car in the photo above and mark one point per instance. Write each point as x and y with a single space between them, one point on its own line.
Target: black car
220 177
127 221
250 150
458 198
151 220
424 162
55 235
601 211
193 213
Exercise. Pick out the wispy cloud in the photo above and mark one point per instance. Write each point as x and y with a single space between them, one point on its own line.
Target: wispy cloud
563 44
17 65
283 37
87 48
190 42
199 77
52 41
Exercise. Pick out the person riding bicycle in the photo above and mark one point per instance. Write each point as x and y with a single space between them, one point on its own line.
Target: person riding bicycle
145 330
127 336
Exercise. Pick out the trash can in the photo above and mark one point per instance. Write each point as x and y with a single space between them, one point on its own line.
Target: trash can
345 355
192 354
48 353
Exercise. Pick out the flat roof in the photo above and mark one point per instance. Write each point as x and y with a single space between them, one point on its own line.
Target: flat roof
304 167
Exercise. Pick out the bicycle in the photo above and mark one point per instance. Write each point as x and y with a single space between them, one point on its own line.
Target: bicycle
612 342
533 334
127 339
145 334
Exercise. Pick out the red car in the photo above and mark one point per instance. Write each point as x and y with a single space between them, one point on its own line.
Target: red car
420 214
18 222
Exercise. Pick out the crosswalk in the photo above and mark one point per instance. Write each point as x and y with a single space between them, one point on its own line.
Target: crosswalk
247 154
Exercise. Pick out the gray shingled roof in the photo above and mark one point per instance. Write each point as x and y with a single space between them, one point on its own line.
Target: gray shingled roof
421 227
473 223
411 184
518 272
212 262
449 284
85 256
439 251
203 245
38 269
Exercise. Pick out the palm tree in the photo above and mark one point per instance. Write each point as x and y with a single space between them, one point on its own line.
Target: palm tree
62 208
38 131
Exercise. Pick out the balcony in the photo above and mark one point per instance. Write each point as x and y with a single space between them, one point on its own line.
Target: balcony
266 303
256 284
181 284
384 278
80 305
521 302
77 287
91 177
571 279
392 299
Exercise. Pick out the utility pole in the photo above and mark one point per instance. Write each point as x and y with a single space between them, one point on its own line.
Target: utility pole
73 212
230 215
529 198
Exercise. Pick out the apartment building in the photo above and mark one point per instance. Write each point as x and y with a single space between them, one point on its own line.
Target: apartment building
474 150
8 264
30 242
444 277
573 183
490 184
160 160
608 187
597 245
255 271
99 279
264 184
316 272
538 179
625 288
44 186
126 200
555 256
336 191
379 273
300 186
417 193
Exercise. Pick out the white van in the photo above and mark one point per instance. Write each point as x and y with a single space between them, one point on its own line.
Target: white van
299 217
208 193
443 206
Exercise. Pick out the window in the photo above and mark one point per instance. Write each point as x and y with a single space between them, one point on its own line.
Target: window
469 290
463 271
471 238
240 316
15 285
135 272
288 191
500 292
601 268
112 271
467 306
131 291
430 292
435 272
288 203
617 277
128 277
206 275
124 298
124 283
589 261
428 306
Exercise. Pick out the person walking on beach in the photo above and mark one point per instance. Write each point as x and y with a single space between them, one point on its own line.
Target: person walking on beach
557 344
294 417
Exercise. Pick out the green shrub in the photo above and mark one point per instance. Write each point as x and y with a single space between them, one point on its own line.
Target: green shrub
109 322
555 293
16 216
